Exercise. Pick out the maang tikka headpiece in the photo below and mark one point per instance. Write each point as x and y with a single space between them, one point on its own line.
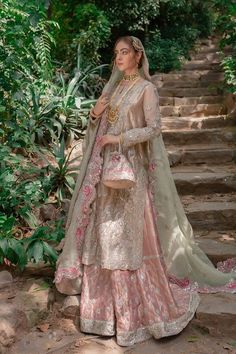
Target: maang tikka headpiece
136 44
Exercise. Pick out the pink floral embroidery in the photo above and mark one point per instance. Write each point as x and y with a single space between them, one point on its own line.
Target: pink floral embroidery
87 190
115 158
69 273
183 283
85 209
79 232
91 179
152 166
188 285
98 139
227 266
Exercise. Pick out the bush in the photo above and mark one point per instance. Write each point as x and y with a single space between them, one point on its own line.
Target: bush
21 187
226 25
26 40
38 247
94 32
166 54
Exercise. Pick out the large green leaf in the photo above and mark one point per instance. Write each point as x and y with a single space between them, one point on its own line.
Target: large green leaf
4 245
50 252
37 250
20 251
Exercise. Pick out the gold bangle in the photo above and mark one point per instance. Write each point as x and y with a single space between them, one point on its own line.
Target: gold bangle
94 115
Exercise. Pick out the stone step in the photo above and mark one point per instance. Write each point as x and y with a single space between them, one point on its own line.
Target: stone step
200 66
211 212
212 136
200 72
176 101
217 313
197 123
208 56
226 236
208 41
207 49
202 75
199 110
187 83
199 154
189 92
202 61
217 251
205 180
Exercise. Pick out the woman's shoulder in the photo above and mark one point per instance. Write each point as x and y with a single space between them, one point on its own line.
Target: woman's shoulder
148 86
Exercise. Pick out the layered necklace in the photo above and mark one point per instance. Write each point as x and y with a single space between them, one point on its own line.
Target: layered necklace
113 110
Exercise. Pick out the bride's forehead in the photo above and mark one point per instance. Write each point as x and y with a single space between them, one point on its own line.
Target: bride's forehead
122 45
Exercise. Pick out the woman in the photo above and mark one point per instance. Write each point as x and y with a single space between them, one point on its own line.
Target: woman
130 252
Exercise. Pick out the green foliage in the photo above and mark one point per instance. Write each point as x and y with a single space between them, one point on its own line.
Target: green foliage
34 120
38 247
25 45
62 173
20 187
229 65
45 115
130 15
165 26
180 23
74 99
226 25
165 54
94 31
179 16
11 250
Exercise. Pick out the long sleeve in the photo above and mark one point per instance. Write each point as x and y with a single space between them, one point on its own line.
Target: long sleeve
93 120
152 118
92 123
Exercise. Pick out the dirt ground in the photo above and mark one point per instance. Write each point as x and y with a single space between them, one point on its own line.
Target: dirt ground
48 330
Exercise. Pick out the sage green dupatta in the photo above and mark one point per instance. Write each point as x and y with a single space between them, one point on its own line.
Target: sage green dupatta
184 258
69 273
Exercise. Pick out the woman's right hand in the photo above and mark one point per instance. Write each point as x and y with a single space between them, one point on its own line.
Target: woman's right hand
101 104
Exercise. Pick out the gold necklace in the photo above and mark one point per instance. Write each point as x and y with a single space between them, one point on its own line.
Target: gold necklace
113 112
131 77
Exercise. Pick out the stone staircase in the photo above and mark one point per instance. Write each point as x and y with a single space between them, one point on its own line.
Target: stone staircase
201 143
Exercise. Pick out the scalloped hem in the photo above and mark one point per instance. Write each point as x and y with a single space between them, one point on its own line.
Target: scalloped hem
157 330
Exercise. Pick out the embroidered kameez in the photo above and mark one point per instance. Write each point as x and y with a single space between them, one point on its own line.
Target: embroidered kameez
125 289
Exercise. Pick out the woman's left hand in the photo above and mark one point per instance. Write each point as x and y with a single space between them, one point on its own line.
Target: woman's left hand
109 139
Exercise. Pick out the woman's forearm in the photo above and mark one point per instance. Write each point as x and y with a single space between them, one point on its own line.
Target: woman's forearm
139 135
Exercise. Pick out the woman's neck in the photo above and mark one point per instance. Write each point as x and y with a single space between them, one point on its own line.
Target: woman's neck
130 71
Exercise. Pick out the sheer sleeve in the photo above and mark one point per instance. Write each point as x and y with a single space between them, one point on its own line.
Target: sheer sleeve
152 118
93 120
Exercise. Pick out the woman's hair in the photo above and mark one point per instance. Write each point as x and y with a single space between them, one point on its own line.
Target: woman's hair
132 44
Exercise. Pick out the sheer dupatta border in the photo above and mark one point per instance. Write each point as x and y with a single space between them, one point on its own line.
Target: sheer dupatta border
69 265
187 264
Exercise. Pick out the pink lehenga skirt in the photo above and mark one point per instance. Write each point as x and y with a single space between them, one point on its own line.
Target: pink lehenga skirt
137 304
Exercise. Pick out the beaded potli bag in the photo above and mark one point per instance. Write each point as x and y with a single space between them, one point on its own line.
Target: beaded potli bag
118 173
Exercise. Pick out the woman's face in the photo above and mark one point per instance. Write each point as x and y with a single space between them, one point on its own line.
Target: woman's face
126 58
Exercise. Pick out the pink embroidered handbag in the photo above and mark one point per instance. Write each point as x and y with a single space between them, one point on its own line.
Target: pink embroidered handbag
118 173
